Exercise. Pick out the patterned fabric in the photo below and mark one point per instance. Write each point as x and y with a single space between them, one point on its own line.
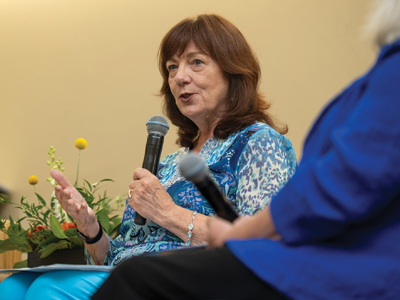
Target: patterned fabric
249 167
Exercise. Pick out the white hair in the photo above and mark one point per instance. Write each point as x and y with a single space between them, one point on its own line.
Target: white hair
384 21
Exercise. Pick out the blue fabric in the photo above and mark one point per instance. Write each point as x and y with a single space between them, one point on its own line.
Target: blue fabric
15 286
56 285
249 167
339 215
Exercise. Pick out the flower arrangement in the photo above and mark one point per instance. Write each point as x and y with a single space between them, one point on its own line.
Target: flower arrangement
50 227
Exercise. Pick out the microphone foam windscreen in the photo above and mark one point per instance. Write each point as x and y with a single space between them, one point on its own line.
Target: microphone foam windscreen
193 167
157 124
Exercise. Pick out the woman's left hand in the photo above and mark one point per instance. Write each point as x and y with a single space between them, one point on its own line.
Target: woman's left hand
149 198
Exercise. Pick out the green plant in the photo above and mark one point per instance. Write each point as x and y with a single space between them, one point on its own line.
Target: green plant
49 226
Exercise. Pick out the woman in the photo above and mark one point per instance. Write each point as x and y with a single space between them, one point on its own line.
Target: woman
210 89
213 100
340 241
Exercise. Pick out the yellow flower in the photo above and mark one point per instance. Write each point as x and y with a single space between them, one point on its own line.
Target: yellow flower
80 144
33 180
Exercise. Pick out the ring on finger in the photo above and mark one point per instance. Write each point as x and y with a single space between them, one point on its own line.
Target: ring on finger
129 194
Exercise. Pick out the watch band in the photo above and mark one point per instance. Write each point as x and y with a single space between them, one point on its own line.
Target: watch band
88 241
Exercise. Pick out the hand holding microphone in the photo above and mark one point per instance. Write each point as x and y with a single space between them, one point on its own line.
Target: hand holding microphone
193 167
157 128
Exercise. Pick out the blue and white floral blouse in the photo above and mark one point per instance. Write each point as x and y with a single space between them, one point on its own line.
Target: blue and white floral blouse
249 167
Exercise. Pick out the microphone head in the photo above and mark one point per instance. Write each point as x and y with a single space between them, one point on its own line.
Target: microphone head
193 167
157 124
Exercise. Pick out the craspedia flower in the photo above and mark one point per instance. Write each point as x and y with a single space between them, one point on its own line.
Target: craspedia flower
80 144
33 180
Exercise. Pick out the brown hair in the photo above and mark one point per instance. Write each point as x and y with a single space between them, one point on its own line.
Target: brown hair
224 43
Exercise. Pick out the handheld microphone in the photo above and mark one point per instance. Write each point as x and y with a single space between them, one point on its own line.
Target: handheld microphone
157 128
193 167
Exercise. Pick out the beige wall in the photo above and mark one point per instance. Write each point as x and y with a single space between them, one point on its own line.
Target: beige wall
72 68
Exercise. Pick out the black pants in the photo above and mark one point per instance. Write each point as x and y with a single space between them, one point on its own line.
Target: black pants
185 274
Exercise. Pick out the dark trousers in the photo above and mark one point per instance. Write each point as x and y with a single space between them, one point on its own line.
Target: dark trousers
185 274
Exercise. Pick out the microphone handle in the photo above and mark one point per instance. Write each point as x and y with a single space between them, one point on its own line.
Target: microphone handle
217 200
150 162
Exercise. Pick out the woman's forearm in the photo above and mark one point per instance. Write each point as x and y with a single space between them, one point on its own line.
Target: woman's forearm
178 220
98 250
260 225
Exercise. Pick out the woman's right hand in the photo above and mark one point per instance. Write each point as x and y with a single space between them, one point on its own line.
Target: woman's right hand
75 205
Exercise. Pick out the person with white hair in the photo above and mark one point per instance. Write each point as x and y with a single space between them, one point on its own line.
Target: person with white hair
331 233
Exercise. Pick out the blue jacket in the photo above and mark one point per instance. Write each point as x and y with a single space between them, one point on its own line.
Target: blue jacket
339 215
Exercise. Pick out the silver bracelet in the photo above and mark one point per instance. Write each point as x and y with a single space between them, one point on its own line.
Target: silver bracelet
190 229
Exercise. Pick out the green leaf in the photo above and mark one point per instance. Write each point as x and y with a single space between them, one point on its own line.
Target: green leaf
51 239
103 218
21 264
76 243
115 224
22 199
18 239
3 225
46 215
7 245
19 220
107 179
72 235
5 199
116 220
88 184
41 199
55 246
71 232
56 228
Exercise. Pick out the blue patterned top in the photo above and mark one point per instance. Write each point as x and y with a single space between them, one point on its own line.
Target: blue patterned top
249 167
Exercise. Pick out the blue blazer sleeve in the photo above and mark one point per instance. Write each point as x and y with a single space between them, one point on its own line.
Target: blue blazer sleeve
356 176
